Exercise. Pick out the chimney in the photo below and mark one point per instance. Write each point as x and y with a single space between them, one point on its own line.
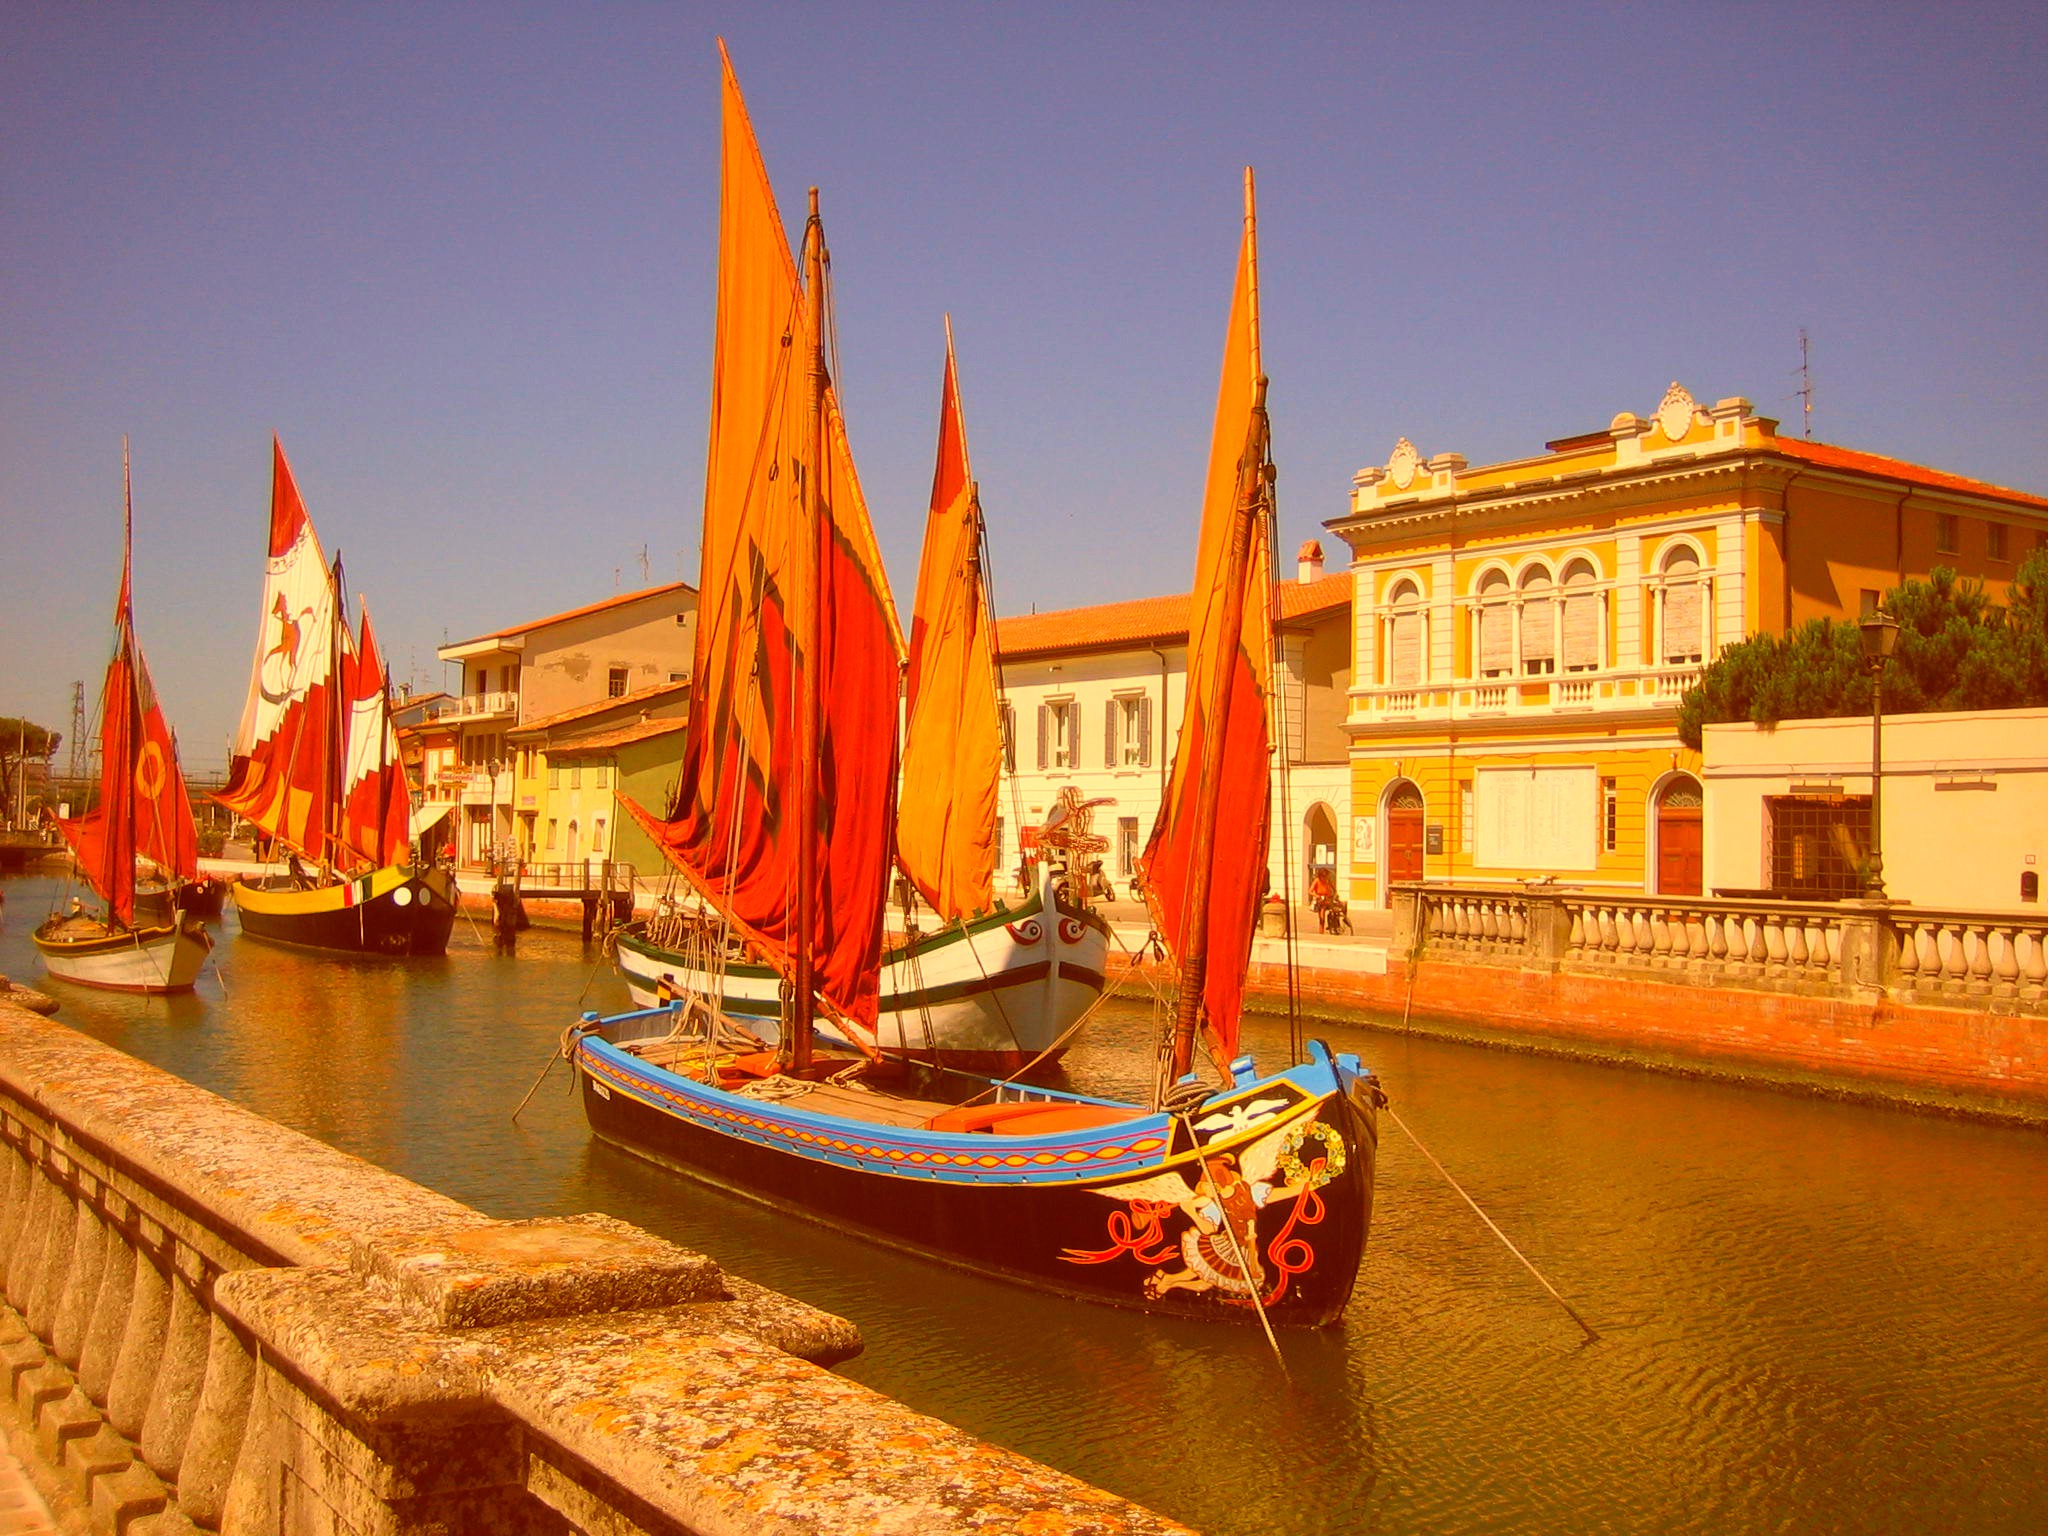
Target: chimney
1311 562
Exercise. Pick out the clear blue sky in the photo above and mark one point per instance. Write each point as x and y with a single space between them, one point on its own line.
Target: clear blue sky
460 258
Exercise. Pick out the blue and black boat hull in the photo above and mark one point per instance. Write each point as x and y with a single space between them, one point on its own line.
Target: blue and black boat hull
1109 1204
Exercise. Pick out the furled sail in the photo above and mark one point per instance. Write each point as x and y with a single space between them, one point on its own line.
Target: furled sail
1205 863
376 803
952 744
732 826
282 772
143 808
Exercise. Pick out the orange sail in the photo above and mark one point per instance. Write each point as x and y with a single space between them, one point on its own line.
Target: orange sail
282 772
952 745
733 827
376 803
1205 863
143 808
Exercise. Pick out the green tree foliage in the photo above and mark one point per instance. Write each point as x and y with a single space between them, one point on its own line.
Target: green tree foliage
1957 649
21 741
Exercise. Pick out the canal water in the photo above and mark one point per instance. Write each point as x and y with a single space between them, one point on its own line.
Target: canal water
1814 1317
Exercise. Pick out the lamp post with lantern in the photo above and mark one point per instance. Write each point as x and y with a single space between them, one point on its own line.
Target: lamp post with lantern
1880 638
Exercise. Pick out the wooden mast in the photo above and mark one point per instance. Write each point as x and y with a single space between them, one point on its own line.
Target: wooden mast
810 525
1251 493
337 733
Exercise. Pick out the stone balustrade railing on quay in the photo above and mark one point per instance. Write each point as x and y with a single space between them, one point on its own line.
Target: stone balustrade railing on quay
212 1322
1913 954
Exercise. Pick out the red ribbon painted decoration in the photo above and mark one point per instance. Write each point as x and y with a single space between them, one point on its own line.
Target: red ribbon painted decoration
1137 1231
1291 1255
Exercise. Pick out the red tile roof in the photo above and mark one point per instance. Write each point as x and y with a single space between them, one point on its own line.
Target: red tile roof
619 736
624 701
1147 621
576 613
1828 456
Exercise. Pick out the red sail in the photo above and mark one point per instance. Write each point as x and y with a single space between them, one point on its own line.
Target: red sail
283 771
952 740
731 828
376 804
143 808
1228 671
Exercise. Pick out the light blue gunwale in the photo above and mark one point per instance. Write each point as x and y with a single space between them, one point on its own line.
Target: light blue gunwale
793 1131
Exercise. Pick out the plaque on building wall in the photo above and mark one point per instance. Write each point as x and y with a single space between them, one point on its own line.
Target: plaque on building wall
1365 843
1433 838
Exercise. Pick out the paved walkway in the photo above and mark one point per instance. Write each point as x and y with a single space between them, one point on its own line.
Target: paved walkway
22 1510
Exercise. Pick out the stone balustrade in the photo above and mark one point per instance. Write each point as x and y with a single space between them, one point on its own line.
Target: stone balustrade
1492 922
1722 941
1971 957
214 1322
1817 948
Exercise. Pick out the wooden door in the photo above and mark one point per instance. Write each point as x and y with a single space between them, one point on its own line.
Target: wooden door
1404 835
1678 850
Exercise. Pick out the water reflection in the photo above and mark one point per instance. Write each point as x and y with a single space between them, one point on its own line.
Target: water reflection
1814 1316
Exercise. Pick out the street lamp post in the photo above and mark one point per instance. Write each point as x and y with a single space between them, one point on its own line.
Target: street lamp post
1880 636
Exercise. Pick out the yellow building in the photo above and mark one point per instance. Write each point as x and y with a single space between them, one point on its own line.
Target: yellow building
1522 632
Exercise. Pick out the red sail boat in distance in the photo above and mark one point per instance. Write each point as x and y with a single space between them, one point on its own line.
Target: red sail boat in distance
140 943
1237 1201
991 988
316 767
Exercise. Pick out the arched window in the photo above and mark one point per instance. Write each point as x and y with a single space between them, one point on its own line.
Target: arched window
1685 609
1539 622
1404 628
1583 629
1496 626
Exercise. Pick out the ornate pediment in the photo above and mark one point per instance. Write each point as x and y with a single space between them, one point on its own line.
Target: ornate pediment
1401 467
1675 412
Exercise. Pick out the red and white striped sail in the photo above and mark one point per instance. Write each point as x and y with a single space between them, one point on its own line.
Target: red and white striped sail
282 776
376 802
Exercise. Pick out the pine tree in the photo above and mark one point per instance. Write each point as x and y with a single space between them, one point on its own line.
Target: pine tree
1957 650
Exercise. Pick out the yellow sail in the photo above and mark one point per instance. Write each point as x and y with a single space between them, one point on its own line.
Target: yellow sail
733 828
952 745
1205 863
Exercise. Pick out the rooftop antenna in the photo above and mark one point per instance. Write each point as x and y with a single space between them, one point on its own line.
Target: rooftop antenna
644 577
1805 384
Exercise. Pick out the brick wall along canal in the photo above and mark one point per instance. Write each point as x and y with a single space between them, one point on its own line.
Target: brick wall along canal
1815 1316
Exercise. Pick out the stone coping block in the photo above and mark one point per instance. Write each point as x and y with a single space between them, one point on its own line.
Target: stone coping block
516 1271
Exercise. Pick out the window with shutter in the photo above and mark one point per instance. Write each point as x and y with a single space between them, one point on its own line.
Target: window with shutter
1682 606
1145 731
1539 622
1581 619
1058 735
1496 642
1111 757
1407 649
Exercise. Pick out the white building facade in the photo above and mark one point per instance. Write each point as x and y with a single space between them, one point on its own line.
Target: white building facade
1092 700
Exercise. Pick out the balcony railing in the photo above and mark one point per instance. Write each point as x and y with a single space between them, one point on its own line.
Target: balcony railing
1477 698
478 706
